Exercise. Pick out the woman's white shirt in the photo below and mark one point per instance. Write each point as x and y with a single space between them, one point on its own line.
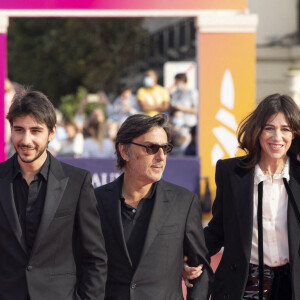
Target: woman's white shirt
275 204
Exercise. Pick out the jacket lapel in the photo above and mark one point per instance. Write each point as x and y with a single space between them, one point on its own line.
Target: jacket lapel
293 226
242 183
9 208
112 208
161 209
8 203
56 185
295 180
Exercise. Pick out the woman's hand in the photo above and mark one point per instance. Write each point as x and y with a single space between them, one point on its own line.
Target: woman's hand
190 273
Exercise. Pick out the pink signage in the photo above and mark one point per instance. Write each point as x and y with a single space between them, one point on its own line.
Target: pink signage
124 4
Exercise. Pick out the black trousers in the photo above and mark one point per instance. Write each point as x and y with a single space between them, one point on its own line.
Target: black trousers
277 283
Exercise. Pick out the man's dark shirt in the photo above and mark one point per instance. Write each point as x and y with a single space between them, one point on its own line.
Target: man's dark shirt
29 200
135 224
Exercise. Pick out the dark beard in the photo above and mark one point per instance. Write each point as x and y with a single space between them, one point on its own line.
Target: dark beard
35 158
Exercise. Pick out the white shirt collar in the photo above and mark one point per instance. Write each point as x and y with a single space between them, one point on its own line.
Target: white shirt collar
260 176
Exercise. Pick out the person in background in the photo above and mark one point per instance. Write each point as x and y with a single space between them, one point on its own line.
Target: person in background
51 242
149 224
256 214
97 114
73 145
61 134
177 119
124 106
99 100
96 143
185 101
191 149
112 128
181 140
180 134
152 97
8 96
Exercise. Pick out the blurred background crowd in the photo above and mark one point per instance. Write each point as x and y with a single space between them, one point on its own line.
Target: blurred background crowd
91 130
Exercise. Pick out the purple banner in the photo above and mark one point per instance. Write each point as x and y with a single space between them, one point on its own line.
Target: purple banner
183 171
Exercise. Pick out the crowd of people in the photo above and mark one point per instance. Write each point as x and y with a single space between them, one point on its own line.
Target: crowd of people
93 135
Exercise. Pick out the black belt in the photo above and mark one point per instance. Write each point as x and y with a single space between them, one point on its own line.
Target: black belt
275 285
280 270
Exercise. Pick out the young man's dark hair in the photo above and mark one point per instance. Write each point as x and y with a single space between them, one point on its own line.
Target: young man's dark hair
135 126
35 103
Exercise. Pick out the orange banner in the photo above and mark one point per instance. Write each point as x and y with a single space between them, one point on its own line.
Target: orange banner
227 94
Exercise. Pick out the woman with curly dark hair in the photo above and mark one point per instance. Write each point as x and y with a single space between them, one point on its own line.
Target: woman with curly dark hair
256 215
256 210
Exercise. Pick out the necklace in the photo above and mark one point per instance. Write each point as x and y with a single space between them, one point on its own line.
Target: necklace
267 172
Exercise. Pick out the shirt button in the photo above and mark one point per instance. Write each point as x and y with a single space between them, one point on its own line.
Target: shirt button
134 211
133 285
29 268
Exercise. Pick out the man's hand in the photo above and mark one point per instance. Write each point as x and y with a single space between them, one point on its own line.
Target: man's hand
190 273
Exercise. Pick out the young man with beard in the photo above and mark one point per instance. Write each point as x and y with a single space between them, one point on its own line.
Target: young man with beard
51 242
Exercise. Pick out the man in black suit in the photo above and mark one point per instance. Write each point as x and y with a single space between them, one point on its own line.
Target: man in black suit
149 224
51 243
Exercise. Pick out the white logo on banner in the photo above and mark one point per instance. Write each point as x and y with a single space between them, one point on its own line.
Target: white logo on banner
226 135
100 179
